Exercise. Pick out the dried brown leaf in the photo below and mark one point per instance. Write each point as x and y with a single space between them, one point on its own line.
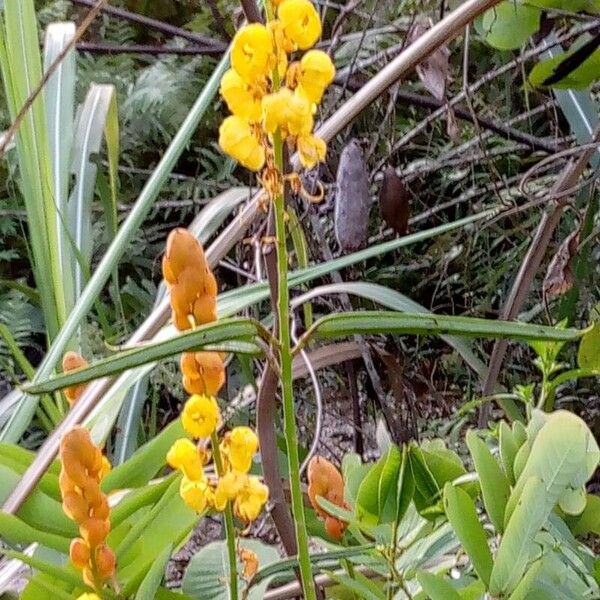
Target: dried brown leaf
433 70
394 201
560 276
352 199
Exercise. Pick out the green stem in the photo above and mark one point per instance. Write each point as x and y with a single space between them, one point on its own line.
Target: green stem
229 528
289 417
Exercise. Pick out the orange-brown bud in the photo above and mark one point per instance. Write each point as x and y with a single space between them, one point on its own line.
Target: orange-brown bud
326 481
203 372
72 361
94 531
79 553
76 507
182 250
335 528
249 561
105 562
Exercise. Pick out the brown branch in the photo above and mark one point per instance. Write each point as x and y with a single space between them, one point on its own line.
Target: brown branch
531 263
12 130
147 22
101 48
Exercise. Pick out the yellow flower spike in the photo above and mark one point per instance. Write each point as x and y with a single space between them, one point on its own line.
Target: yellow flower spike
184 455
241 444
239 97
300 21
200 416
237 139
316 72
252 52
228 487
311 150
198 495
288 111
250 500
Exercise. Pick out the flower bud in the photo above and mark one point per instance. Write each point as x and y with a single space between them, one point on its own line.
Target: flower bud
72 361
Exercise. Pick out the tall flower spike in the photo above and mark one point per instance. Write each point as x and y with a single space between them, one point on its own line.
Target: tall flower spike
82 469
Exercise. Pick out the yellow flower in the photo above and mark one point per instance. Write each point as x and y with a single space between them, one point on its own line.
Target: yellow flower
300 21
198 495
252 52
184 455
251 499
240 97
200 416
228 487
288 111
240 445
89 597
316 73
311 150
237 139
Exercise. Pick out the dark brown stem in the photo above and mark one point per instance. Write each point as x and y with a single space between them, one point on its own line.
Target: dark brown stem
100 48
157 25
251 11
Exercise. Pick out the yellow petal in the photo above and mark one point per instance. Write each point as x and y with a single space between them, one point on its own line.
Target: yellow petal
184 455
200 416
300 21
252 52
311 150
239 97
237 139
196 494
316 73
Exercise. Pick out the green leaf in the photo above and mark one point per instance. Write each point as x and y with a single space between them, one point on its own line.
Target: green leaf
588 356
374 322
406 487
563 455
510 25
358 585
529 516
522 590
213 335
508 450
146 462
589 520
436 587
461 513
15 531
380 481
150 583
207 575
495 487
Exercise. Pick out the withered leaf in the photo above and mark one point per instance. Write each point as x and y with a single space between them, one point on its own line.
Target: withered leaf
433 70
394 201
560 276
352 199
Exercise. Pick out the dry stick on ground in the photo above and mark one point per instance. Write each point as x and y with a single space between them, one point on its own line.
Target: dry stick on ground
441 33
101 48
147 22
12 130
531 263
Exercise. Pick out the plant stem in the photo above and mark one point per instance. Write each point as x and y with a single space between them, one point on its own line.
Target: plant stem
289 417
228 520
285 357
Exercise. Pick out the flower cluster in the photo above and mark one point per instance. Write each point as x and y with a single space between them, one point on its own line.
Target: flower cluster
71 361
200 420
82 468
268 94
326 481
194 301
